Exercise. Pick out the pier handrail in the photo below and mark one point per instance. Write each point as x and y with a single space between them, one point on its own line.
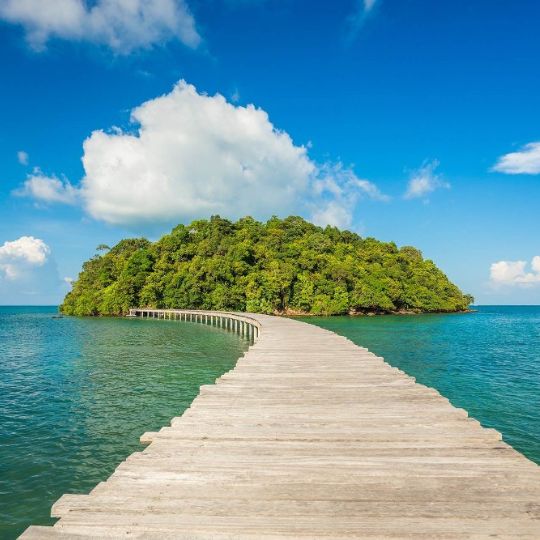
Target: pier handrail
249 325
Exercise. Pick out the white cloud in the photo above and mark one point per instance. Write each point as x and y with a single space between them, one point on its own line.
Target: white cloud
332 213
122 25
48 189
28 273
194 154
190 155
19 255
22 157
337 191
515 272
525 161
369 189
424 181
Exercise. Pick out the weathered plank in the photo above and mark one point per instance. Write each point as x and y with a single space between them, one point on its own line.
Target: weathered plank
310 436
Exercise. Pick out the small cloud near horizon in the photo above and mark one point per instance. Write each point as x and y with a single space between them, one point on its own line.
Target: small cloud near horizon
28 271
515 273
25 252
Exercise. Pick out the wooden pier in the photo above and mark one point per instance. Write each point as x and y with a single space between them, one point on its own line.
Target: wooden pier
310 436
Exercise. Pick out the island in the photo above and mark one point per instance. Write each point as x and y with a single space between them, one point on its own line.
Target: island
283 267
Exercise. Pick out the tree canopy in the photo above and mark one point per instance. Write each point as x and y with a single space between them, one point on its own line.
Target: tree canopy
283 266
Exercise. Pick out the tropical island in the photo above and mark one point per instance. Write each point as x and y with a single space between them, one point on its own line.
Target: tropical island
284 266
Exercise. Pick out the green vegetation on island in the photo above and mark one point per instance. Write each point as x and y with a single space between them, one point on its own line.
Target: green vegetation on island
283 266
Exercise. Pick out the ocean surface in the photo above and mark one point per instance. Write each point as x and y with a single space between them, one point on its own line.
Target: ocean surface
487 362
76 393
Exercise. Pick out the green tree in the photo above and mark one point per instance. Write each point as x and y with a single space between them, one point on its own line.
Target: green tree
282 266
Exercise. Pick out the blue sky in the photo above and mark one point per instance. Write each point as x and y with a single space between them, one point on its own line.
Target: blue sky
410 121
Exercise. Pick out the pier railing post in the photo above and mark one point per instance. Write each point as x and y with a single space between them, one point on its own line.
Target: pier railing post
238 324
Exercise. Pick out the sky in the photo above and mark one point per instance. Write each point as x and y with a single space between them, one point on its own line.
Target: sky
409 121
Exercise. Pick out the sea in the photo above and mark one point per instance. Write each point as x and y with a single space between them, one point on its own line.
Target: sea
77 393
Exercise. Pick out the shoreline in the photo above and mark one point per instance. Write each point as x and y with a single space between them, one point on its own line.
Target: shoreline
292 313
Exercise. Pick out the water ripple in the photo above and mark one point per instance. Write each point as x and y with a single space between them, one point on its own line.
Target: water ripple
486 362
76 394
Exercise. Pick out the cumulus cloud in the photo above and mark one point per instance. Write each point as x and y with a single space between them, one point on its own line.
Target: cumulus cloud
515 272
525 161
22 157
18 256
122 25
424 181
337 191
192 154
48 189
28 273
189 155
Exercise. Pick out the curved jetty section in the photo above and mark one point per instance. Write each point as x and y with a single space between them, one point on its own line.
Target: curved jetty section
310 436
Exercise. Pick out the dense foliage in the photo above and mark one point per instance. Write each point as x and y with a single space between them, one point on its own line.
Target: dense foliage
282 266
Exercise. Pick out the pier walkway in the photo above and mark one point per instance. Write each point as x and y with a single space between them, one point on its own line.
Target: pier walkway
310 436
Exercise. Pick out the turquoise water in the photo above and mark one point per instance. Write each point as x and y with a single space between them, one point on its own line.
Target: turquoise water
76 394
486 362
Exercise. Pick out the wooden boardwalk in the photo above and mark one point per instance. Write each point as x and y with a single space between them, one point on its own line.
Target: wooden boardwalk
311 436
